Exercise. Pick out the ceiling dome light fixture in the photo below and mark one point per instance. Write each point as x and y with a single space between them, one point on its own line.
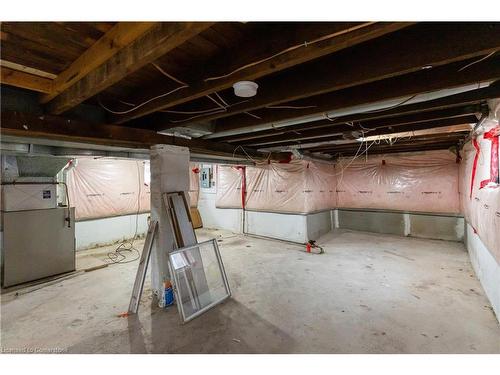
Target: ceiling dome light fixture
245 89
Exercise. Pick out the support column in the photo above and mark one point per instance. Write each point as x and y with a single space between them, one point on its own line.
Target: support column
169 173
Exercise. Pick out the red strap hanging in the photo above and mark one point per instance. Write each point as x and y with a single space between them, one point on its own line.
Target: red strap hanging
474 165
492 135
242 169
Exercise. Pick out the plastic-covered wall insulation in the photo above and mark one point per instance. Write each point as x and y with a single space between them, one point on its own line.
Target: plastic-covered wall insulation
296 187
422 182
106 187
480 191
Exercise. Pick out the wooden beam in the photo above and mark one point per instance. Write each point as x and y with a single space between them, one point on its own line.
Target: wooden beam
120 36
394 150
397 87
25 80
418 47
156 42
325 127
27 69
382 130
426 138
401 146
62 129
339 38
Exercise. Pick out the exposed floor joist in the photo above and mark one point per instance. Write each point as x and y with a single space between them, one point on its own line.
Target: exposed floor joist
383 130
121 35
402 87
159 40
418 47
25 80
340 36
432 117
58 128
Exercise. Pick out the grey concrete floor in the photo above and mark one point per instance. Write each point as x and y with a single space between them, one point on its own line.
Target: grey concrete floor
369 293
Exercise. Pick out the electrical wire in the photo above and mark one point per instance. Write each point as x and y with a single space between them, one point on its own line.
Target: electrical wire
203 111
245 152
289 49
212 112
142 104
193 117
220 98
477 61
216 102
118 256
390 107
290 106
183 86
252 115
169 75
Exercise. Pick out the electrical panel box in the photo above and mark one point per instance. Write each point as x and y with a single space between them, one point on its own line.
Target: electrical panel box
22 197
206 177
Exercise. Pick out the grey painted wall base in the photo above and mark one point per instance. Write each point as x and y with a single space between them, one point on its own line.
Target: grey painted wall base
298 228
422 225
486 268
109 230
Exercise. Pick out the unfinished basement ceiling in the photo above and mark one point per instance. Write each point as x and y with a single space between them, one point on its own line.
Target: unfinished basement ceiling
323 87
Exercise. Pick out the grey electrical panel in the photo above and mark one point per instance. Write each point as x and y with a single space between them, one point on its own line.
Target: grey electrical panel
206 177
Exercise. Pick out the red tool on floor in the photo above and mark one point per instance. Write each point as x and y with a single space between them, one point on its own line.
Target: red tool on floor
311 247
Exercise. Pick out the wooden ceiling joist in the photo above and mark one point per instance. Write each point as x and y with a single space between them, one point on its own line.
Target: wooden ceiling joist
24 80
401 145
382 130
410 50
420 82
276 61
325 127
157 41
59 128
27 69
121 35
403 149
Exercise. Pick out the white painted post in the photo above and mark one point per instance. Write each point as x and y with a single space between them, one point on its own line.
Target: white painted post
169 173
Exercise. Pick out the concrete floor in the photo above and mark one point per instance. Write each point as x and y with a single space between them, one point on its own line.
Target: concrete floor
369 293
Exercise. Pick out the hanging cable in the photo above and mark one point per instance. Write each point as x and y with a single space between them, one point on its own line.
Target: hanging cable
252 115
477 61
169 75
127 246
204 111
305 44
212 112
290 106
183 86
219 110
222 100
216 102
142 104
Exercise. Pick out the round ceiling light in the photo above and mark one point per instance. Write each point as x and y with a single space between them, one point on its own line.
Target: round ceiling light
245 89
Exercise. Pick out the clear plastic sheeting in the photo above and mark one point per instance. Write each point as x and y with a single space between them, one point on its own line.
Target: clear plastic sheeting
479 198
228 186
426 182
299 187
194 184
101 187
296 187
106 187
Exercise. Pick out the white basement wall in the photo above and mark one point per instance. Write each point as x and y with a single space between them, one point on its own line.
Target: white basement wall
290 227
486 268
109 230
